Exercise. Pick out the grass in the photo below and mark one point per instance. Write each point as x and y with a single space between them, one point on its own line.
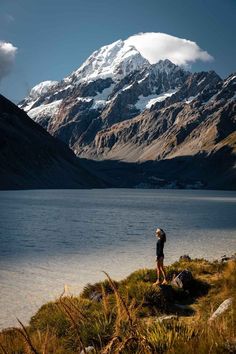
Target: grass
122 317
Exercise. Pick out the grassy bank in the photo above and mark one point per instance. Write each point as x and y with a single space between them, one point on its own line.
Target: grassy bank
130 316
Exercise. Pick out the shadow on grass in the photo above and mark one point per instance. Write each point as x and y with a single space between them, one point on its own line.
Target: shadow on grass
172 300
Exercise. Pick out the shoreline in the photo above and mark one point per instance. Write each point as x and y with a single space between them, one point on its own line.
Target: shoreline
100 278
68 289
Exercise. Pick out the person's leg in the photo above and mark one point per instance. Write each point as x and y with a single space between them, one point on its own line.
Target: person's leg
162 270
158 272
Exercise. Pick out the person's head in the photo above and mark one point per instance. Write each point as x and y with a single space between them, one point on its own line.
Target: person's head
161 234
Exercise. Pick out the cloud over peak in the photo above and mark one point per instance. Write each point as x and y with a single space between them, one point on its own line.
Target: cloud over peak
159 46
7 58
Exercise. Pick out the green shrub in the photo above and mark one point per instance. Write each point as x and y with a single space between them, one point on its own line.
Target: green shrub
50 316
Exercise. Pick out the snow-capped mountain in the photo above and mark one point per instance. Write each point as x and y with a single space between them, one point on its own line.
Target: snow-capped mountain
114 84
119 106
115 61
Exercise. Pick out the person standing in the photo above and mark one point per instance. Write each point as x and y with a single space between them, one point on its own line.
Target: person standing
161 239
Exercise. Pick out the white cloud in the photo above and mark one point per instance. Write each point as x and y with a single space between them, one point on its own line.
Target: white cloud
7 58
159 46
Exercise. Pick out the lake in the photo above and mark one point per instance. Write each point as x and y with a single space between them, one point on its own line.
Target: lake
49 238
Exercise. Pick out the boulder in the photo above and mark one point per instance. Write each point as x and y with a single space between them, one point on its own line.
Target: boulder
225 258
224 306
183 279
185 257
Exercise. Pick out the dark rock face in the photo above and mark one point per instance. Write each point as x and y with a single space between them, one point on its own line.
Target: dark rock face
153 80
201 85
31 158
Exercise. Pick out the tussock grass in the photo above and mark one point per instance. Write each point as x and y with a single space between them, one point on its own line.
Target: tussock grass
122 317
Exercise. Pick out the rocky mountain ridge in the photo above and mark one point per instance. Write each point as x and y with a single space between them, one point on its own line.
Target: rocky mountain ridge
175 127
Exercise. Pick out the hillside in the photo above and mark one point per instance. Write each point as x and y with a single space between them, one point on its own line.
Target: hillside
31 158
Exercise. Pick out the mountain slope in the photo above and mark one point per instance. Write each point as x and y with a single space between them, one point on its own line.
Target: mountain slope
188 143
175 127
31 158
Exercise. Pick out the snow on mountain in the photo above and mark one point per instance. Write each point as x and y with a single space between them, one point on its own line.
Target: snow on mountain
230 79
101 99
45 110
115 60
147 102
36 92
42 88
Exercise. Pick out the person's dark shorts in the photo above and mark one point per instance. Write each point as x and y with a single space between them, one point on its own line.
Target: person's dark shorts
159 257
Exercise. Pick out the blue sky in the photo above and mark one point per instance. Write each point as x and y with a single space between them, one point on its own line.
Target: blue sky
54 37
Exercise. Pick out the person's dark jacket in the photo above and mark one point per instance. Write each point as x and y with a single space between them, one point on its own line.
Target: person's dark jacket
159 248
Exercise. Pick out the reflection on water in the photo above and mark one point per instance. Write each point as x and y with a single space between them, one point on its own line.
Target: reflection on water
51 238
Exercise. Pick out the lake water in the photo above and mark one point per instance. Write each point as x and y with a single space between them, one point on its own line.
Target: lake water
50 238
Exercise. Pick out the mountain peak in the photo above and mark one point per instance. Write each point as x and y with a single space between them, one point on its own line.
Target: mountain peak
115 60
165 66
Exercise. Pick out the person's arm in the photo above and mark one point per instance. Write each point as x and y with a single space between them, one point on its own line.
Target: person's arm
157 248
162 247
